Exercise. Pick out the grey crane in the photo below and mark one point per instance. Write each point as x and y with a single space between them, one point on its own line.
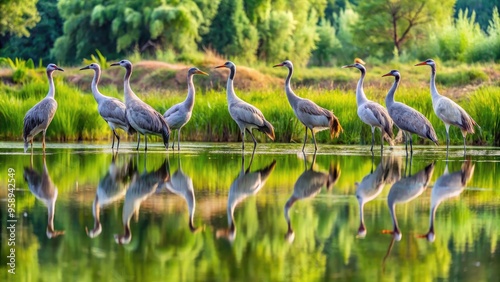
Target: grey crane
405 190
245 115
181 184
245 185
41 185
447 186
387 171
141 188
371 113
111 109
179 114
38 118
406 118
308 185
312 116
141 116
111 188
447 110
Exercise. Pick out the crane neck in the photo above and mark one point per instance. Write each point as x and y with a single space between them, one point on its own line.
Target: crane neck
291 96
360 94
129 94
189 102
434 93
389 100
95 91
52 88
231 95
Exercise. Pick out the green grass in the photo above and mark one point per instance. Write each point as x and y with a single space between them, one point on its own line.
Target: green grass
77 117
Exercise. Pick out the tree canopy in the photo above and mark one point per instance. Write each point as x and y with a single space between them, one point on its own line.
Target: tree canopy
318 32
17 17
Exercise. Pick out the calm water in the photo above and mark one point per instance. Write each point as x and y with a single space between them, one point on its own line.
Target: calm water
203 216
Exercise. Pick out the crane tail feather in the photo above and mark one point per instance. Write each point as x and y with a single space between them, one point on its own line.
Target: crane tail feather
268 129
335 127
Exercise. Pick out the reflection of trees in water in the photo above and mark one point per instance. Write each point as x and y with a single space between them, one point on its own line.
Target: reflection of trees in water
325 244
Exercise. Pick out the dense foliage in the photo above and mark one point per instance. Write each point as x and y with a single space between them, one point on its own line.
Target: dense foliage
315 32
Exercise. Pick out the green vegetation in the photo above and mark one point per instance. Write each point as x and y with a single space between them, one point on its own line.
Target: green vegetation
312 32
77 117
325 245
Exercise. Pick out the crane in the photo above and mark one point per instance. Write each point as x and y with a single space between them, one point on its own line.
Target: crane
371 113
312 116
179 114
245 115
447 110
111 109
406 118
141 116
38 118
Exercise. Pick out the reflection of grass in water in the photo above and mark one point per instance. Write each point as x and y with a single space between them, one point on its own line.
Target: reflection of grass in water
324 246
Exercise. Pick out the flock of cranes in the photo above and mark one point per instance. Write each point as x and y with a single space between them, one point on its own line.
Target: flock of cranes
135 116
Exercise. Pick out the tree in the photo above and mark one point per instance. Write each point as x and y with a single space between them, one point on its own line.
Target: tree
231 32
388 24
16 18
326 45
118 27
41 39
482 8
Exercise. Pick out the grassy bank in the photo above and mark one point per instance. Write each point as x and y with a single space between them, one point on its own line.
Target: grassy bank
77 117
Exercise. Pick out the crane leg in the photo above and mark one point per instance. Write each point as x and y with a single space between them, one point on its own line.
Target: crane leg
447 136
406 142
43 141
173 139
145 142
305 140
117 138
314 139
373 138
411 144
253 137
243 139
381 140
464 145
179 139
138 141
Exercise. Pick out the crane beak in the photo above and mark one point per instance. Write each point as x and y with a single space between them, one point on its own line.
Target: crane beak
201 72
85 68
278 65
59 69
115 64
221 66
421 64
387 74
348 66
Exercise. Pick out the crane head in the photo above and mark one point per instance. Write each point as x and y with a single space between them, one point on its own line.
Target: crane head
193 71
358 63
123 63
53 67
286 63
93 66
428 62
227 64
392 73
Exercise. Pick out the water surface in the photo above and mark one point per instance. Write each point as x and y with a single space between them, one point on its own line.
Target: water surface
209 213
